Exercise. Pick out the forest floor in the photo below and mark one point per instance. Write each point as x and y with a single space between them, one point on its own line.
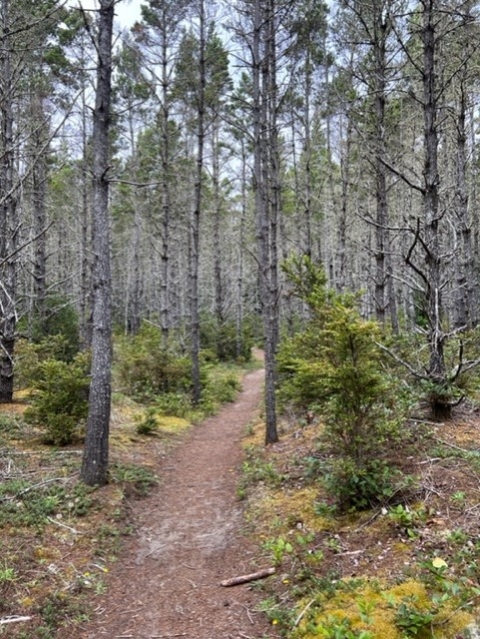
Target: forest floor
188 538
143 557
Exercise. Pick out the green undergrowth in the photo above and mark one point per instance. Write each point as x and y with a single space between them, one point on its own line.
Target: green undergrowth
161 377
60 538
403 567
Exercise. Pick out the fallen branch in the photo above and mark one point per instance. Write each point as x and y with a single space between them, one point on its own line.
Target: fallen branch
13 620
59 523
243 579
301 615
454 446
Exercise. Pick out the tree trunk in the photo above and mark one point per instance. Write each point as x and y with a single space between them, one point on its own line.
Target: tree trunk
166 171
464 260
95 458
85 275
433 292
263 225
8 214
217 244
195 230
240 273
39 192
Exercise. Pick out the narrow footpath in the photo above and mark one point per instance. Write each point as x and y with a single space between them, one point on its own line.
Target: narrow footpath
188 538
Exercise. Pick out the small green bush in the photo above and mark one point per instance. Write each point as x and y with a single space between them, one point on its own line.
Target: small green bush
174 404
60 399
148 425
58 317
145 369
336 368
224 341
30 355
357 486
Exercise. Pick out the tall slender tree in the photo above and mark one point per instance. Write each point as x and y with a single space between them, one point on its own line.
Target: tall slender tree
95 458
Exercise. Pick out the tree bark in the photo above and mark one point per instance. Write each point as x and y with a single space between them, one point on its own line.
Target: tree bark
263 222
8 213
433 292
195 230
95 459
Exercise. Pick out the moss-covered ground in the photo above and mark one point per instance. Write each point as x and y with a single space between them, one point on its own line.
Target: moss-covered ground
407 567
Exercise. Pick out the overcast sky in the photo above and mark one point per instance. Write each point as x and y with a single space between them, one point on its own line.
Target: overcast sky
126 11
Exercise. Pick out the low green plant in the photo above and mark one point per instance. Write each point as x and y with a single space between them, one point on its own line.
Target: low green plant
224 388
334 628
411 620
458 536
60 399
458 498
357 486
25 504
278 548
7 573
407 519
57 607
147 424
135 479
255 470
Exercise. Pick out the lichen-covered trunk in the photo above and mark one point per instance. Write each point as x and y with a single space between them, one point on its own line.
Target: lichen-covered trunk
166 171
464 294
8 214
433 286
196 215
239 340
217 243
264 224
95 459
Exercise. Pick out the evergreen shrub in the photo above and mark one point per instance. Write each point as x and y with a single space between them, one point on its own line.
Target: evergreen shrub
336 368
57 318
60 398
223 340
30 355
145 369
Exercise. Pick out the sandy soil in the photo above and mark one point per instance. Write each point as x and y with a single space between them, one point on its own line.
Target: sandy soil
188 538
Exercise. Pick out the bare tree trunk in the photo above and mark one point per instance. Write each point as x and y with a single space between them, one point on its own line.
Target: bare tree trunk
341 275
8 213
464 260
217 244
263 225
307 150
243 215
95 458
195 230
380 168
433 292
39 177
166 199
85 275
134 314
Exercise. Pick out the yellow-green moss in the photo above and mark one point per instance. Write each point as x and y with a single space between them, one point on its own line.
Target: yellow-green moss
289 509
169 424
372 606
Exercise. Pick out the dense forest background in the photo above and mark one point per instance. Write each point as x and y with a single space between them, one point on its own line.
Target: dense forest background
249 145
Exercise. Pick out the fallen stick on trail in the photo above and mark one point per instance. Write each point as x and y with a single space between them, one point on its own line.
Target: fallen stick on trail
13 620
243 579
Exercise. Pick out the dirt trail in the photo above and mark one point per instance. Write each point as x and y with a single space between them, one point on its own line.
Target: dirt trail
189 538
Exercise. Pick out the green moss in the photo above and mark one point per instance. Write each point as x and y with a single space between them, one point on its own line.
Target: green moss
383 611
